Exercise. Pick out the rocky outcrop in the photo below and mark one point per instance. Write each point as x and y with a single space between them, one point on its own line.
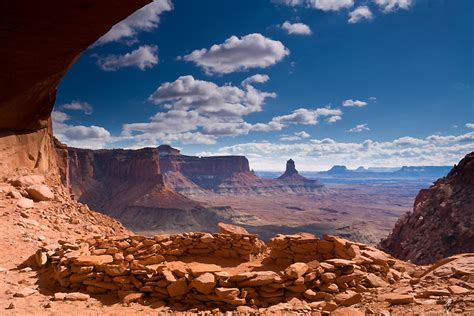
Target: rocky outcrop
128 185
225 175
442 221
297 182
40 41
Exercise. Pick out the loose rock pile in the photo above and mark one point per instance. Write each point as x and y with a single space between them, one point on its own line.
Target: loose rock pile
148 270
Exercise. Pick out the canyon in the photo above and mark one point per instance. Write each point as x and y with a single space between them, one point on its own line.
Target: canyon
59 256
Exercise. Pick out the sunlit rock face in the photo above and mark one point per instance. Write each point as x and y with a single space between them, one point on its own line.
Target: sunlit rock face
440 224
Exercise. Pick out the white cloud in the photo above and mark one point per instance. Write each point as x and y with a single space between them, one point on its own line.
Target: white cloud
258 78
359 14
78 106
292 3
393 5
321 154
333 119
144 20
330 5
238 54
408 141
356 103
201 110
187 93
359 128
470 125
295 136
143 57
296 28
305 116
94 137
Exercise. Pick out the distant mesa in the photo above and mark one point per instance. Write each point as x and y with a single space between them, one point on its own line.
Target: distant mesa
361 169
338 169
154 187
166 150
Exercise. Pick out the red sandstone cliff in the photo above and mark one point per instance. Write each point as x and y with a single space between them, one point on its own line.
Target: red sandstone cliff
128 185
40 41
442 221
225 175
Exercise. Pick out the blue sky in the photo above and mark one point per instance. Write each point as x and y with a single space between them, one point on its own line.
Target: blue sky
373 82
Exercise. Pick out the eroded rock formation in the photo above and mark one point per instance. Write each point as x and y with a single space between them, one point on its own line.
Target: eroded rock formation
129 185
40 41
297 182
442 221
226 175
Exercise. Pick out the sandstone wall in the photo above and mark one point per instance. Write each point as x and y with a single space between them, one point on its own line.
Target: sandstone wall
153 270
27 152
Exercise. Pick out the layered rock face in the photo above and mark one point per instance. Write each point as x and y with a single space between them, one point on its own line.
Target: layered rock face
442 221
128 185
40 41
226 175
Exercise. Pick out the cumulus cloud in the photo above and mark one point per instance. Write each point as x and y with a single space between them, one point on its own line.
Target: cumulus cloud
305 116
296 136
333 119
94 137
201 110
258 78
324 5
331 5
470 125
359 128
356 103
393 5
296 28
143 57
359 14
144 20
321 154
187 93
78 106
238 54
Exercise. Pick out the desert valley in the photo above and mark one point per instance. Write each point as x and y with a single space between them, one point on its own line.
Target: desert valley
164 230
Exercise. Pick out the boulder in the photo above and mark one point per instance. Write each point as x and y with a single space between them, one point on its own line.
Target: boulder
41 258
232 229
40 192
25 203
25 181
296 270
261 278
93 260
347 311
205 283
178 288
197 269
25 292
227 293
75 296
374 281
395 298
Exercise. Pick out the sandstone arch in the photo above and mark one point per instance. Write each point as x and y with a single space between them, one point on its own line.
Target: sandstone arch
40 40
